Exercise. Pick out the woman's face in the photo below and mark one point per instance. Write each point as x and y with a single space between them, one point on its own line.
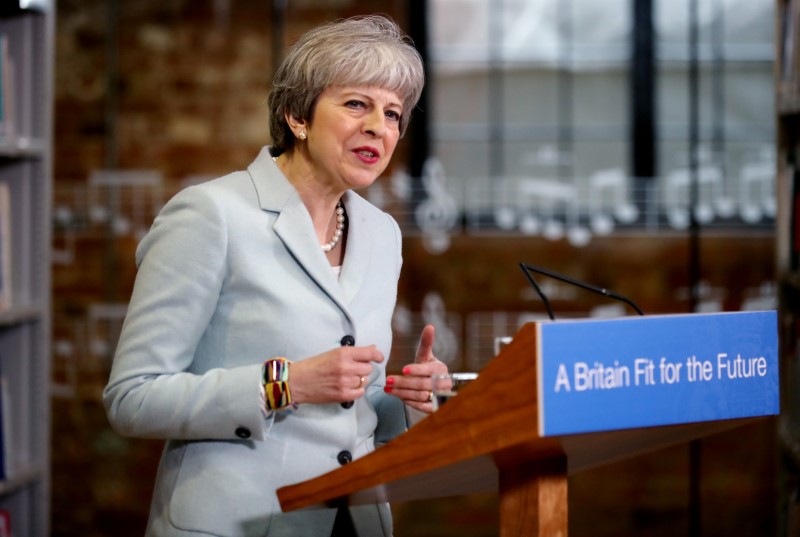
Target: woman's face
352 134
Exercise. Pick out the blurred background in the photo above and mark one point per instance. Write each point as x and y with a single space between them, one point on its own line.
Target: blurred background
572 134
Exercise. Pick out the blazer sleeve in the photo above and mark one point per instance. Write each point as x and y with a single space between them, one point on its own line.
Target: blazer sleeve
153 391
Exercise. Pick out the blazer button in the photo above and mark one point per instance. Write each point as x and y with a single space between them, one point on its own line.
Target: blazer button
243 433
347 341
344 457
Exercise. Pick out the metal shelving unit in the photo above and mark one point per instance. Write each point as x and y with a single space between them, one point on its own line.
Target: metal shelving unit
26 167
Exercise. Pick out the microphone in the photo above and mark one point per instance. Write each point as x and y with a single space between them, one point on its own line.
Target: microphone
527 269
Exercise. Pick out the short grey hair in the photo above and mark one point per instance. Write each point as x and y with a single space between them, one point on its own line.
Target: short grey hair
359 51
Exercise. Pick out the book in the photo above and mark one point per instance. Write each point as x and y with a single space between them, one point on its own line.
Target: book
6 91
794 221
5 417
787 41
5 246
5 523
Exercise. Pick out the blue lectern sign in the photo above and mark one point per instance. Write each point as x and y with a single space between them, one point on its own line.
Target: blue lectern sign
600 375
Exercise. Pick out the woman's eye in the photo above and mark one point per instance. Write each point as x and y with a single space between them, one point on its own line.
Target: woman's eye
354 104
394 116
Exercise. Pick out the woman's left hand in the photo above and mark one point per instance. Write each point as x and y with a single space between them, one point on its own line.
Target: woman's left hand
414 385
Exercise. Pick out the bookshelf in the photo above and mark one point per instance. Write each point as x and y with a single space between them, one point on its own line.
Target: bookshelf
26 111
787 234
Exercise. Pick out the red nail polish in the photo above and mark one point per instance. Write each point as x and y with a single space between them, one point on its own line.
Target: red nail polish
387 389
406 370
389 381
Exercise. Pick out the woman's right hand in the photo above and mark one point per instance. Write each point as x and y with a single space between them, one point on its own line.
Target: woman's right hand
333 376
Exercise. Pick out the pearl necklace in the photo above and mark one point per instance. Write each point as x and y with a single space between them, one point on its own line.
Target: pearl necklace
340 223
339 231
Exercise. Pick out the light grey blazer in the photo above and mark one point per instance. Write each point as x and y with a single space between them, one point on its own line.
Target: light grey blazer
231 274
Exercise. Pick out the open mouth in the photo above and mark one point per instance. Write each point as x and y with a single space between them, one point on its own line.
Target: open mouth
366 152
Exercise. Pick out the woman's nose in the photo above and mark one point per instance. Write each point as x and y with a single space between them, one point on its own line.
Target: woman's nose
375 125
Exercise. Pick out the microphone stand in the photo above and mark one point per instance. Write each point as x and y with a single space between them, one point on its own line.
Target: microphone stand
527 269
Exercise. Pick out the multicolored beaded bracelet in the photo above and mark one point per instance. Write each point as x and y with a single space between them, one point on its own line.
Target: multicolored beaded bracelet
275 373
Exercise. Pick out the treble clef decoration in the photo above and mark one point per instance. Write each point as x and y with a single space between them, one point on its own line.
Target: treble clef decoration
437 214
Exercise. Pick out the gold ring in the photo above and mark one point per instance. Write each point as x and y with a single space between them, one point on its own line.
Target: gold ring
361 383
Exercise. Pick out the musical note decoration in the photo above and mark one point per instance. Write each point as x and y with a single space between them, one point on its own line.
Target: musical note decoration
760 298
103 325
126 201
757 191
609 201
676 195
400 185
546 199
722 194
446 346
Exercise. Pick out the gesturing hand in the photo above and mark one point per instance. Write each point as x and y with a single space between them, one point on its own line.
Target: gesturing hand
334 376
414 386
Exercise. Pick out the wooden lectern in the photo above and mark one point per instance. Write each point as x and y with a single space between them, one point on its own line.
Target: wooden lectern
486 439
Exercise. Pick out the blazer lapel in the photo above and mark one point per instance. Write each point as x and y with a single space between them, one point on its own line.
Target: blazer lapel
294 227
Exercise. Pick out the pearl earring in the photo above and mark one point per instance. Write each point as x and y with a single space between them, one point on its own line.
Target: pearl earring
302 135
